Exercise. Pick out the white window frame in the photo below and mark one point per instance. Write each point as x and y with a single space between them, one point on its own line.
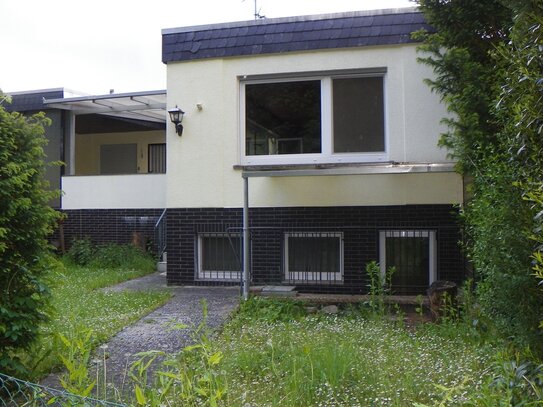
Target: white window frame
214 275
432 248
327 154
313 277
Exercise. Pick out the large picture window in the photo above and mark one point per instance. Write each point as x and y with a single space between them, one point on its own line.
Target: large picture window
314 120
314 257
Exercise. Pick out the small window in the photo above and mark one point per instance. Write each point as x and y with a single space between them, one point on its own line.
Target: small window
219 257
413 254
314 257
157 158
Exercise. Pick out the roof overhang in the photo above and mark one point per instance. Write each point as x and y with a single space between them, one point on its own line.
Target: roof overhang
148 105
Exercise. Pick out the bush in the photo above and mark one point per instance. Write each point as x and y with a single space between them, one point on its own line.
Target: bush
84 253
271 310
25 222
126 256
81 252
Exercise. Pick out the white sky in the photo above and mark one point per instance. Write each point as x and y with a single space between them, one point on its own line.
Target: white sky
93 46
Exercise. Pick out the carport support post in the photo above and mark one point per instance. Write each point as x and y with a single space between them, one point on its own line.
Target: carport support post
246 237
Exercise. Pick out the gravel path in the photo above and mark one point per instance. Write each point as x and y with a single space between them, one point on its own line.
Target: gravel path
152 333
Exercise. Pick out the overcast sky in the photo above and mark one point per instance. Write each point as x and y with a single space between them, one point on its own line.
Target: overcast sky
93 46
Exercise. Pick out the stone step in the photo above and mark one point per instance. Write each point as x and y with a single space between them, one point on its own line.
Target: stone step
278 291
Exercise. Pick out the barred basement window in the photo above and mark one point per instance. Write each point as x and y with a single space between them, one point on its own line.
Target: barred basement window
219 257
314 257
414 255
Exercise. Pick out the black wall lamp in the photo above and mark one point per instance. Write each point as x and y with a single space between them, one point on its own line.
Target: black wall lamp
176 117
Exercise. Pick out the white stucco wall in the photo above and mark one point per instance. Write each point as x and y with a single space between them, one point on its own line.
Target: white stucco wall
200 163
114 191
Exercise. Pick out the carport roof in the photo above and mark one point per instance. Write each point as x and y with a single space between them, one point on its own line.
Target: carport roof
147 105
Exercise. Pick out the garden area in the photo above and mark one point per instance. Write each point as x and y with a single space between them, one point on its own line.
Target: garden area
79 305
277 352
280 352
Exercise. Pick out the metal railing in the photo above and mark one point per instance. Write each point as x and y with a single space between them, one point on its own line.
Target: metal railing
160 232
20 393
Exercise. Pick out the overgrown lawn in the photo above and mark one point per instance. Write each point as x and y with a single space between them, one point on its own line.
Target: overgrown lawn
347 360
79 303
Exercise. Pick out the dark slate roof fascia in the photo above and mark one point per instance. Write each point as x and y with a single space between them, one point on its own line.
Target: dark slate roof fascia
282 20
29 101
291 34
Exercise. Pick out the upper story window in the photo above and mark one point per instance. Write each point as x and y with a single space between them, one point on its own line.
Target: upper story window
323 119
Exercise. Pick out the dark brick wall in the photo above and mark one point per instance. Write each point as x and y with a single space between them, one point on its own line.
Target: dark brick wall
104 226
360 227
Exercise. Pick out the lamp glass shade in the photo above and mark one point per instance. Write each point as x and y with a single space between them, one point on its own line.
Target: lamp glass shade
176 115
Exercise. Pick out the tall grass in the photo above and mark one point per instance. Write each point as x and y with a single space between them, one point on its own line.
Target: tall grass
79 304
343 361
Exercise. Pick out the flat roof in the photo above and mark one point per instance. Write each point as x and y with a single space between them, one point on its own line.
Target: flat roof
146 105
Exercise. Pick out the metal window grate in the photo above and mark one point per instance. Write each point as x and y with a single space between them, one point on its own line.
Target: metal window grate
219 256
413 255
313 257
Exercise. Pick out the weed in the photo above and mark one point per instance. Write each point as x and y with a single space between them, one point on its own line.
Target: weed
190 378
380 286
81 252
126 256
79 302
84 253
419 309
333 360
271 310
75 352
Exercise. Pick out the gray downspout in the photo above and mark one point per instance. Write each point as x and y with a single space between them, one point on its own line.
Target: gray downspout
246 237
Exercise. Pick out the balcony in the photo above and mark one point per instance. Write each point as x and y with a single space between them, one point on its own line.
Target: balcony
114 191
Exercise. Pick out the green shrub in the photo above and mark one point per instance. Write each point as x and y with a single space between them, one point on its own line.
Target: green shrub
126 256
25 222
81 252
84 253
271 310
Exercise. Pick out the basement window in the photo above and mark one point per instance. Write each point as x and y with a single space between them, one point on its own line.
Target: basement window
413 253
313 257
219 257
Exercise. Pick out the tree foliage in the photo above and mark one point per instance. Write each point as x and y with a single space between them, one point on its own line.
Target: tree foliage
25 221
487 58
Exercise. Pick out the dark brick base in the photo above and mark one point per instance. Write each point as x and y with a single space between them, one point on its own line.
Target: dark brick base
360 227
105 226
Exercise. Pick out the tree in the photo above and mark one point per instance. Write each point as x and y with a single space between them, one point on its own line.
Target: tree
520 114
25 222
477 73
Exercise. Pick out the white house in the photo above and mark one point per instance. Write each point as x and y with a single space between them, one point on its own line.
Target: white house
321 127
328 120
